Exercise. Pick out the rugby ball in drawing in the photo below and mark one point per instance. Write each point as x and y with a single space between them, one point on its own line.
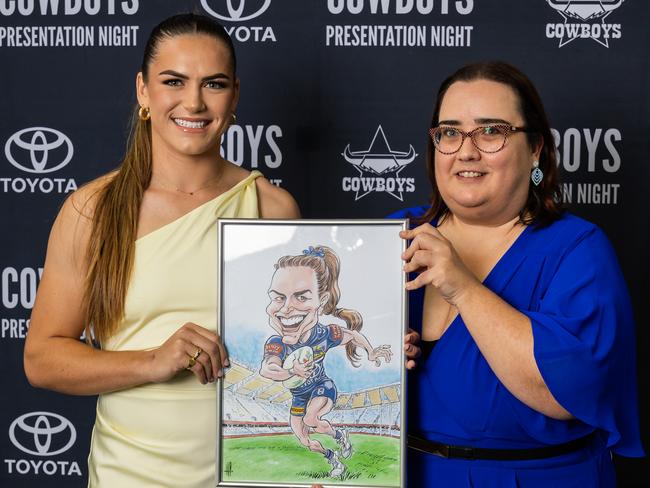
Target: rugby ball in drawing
303 354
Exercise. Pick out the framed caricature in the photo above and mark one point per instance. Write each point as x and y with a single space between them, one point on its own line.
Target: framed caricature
313 315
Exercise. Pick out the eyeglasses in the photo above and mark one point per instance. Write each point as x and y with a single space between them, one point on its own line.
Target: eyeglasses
487 139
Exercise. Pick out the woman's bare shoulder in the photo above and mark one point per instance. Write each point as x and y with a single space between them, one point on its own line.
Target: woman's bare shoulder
82 201
275 202
74 221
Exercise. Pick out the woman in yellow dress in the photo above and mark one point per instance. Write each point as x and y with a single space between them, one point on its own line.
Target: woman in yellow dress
133 254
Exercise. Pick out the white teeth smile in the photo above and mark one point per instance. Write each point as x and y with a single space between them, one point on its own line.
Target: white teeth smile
470 174
291 321
190 125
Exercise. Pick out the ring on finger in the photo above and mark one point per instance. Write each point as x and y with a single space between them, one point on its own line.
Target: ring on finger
197 353
190 363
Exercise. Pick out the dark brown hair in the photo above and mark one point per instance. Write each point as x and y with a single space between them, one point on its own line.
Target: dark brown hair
111 246
543 204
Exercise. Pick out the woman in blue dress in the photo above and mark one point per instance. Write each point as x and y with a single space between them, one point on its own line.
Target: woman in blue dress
527 376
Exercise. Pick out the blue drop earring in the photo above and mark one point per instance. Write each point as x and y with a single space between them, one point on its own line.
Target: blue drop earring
536 175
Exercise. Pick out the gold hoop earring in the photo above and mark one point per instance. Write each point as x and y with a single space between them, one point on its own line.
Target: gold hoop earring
234 118
144 114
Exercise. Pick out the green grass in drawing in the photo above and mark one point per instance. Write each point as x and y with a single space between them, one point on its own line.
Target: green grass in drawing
281 458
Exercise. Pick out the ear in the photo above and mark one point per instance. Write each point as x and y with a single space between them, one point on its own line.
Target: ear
141 90
324 299
537 148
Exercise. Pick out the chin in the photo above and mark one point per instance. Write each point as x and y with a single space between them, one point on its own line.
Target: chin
468 212
461 205
193 144
194 150
293 336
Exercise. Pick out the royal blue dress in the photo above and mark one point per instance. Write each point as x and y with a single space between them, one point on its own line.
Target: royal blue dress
565 277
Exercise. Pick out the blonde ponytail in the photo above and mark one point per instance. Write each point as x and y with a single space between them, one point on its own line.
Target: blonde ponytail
111 245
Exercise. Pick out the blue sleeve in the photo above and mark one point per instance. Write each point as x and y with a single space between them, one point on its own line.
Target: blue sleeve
584 342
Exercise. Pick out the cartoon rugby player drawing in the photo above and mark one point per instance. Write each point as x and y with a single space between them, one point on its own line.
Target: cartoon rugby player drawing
303 288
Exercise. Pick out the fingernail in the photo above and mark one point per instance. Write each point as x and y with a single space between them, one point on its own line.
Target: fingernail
220 373
226 363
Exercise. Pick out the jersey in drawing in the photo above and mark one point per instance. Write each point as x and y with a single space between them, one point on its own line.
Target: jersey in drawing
321 339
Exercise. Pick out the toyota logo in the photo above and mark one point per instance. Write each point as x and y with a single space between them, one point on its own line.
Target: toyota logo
235 14
42 433
39 150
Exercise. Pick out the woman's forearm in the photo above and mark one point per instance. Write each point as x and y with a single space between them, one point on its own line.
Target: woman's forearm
69 366
505 337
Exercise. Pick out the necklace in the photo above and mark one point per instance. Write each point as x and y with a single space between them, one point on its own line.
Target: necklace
161 179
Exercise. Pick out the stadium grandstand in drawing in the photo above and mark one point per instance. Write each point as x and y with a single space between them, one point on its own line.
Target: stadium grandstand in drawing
314 330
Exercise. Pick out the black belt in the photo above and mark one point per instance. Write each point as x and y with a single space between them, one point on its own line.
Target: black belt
462 452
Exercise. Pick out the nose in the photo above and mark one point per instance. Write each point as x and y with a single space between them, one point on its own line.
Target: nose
194 100
286 306
468 151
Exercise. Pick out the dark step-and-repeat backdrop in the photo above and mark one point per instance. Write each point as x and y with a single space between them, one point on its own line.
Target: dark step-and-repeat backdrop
320 79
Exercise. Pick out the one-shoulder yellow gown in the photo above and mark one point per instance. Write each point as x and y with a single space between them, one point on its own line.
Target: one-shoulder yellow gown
164 435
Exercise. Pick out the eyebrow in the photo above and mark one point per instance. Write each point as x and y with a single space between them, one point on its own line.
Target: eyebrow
478 121
277 293
492 121
171 72
302 292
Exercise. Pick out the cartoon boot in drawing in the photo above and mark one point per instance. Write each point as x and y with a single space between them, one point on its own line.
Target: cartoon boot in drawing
338 468
343 440
303 288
